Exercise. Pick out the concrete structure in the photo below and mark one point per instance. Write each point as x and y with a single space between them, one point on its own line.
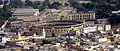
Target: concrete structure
61 1
53 14
102 21
56 27
97 27
69 13
25 12
84 1
3 40
103 39
26 38
116 12
80 16
104 27
34 0
25 16
89 29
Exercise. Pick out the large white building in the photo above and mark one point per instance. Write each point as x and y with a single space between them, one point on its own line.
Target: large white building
24 17
84 1
97 27
34 0
25 12
80 16
57 28
53 14
89 29
115 12
69 13
3 40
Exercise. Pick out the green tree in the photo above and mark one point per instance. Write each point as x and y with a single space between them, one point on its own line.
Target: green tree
44 5
28 3
16 3
5 12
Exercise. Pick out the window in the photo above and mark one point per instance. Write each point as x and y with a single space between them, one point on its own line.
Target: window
50 30
83 16
47 30
80 19
72 16
0 39
77 16
88 15
80 16
53 30
39 30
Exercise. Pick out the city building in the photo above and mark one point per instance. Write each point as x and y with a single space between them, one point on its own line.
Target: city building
84 1
34 0
3 40
102 21
103 39
25 12
60 1
88 29
25 17
95 28
116 12
24 37
60 27
69 13
54 14
80 16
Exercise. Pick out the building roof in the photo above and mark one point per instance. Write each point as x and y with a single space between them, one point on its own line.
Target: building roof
30 18
34 0
62 23
24 11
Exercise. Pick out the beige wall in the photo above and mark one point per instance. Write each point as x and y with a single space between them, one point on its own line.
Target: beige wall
49 31
60 30
80 17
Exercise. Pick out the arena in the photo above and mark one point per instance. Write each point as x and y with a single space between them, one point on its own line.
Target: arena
55 28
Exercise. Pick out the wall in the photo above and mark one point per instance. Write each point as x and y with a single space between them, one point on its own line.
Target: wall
89 29
81 16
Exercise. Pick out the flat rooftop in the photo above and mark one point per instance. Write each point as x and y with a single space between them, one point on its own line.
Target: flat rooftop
25 11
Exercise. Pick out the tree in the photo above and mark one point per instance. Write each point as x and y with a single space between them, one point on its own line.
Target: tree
16 3
5 12
55 5
44 5
28 3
